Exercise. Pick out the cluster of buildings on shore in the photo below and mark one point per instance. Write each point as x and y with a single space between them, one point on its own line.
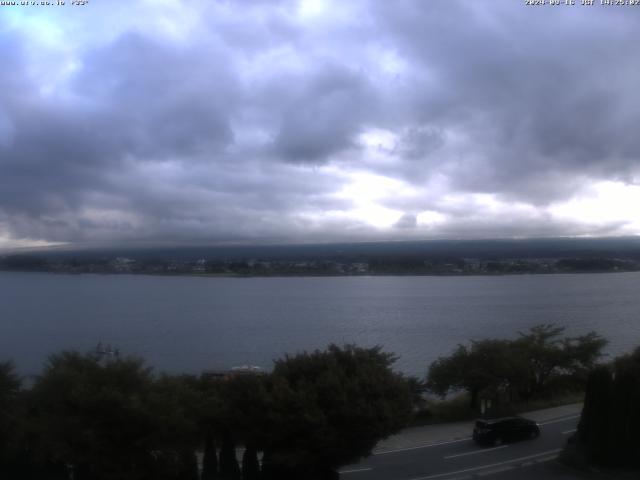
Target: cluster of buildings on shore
391 265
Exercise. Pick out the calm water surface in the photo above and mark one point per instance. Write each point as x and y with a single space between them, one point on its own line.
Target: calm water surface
190 324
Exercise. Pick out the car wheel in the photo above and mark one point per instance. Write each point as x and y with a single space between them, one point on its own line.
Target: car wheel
498 441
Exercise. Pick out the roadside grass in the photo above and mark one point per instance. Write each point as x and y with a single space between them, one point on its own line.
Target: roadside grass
456 409
434 411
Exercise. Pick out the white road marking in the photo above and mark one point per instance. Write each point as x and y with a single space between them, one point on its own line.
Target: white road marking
476 451
426 445
567 432
355 470
560 420
482 467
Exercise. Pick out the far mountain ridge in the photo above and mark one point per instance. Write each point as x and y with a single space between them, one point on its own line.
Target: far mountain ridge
493 249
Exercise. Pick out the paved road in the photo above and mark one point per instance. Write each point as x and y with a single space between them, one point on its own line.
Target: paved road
458 459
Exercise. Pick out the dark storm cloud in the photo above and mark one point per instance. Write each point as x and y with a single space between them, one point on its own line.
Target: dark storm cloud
247 122
323 116
419 142
535 92
134 99
161 100
407 221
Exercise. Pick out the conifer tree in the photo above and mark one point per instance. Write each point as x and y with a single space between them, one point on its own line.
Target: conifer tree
229 468
594 425
250 464
210 458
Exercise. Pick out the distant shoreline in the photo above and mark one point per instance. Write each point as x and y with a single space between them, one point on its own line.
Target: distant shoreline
321 275
479 258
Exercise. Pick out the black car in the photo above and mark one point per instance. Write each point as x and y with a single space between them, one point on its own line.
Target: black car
493 432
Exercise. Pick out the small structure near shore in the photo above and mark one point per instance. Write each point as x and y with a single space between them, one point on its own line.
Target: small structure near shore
106 350
222 374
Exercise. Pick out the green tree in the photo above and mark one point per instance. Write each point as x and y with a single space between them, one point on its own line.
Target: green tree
209 458
595 422
540 354
582 354
250 464
10 385
174 406
547 355
608 428
213 420
95 416
625 411
10 419
522 368
229 468
484 365
245 402
330 408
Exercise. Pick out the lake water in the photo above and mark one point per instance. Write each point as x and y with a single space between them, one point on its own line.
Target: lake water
190 323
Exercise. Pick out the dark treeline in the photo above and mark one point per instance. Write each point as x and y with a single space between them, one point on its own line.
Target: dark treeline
609 429
436 257
94 417
606 247
264 267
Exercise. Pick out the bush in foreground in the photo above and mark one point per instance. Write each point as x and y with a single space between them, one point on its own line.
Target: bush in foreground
330 408
96 418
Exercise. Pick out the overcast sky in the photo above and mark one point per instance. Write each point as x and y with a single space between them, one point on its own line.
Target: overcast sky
317 120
